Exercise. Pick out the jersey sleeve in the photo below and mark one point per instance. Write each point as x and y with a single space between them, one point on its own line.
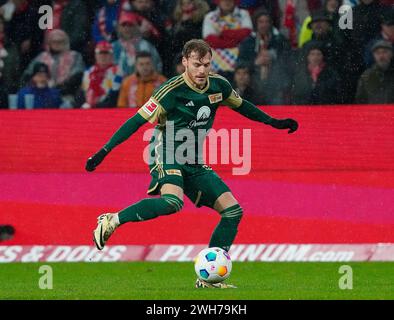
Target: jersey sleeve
151 110
159 104
231 97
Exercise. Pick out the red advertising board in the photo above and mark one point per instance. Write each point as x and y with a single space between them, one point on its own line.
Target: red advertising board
329 183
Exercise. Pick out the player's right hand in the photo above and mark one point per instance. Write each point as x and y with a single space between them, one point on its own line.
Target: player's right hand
96 159
290 124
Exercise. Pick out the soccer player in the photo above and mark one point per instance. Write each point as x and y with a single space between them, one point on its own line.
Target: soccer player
186 102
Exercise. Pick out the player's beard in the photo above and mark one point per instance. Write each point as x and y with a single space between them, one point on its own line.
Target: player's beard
199 81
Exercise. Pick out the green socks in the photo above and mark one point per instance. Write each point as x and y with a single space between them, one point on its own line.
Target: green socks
151 208
225 232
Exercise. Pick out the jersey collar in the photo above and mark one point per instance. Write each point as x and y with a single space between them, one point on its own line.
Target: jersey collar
191 85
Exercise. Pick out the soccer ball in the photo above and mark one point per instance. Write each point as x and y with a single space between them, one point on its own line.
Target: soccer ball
213 265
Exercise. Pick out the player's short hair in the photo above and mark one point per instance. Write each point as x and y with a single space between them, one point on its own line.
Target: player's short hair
143 54
196 45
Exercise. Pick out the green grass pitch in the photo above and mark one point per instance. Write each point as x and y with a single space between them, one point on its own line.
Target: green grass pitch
175 280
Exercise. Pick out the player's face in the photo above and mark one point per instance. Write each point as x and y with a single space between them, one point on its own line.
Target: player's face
197 69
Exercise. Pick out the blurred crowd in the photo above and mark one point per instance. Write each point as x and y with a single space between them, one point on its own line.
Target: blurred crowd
115 53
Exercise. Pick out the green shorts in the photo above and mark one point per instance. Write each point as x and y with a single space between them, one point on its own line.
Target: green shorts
199 182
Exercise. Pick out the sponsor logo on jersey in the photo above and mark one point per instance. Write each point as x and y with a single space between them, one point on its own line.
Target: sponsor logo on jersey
203 115
190 104
215 98
149 107
174 172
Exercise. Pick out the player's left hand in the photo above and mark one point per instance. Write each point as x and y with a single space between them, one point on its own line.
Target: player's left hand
290 124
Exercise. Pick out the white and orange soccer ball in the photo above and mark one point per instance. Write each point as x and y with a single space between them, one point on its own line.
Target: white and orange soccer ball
213 265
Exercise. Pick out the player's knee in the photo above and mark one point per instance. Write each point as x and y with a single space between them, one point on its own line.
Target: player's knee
174 204
233 213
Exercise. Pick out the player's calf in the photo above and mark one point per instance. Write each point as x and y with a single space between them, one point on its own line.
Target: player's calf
226 231
143 210
151 208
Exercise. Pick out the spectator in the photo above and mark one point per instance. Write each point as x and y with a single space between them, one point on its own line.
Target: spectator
386 33
272 79
367 18
137 88
101 82
186 23
66 66
3 97
44 96
244 86
9 63
130 42
224 29
322 33
265 37
178 67
3 55
24 38
293 13
104 26
314 5
330 9
376 84
351 3
72 17
3 51
152 21
315 82
366 24
272 6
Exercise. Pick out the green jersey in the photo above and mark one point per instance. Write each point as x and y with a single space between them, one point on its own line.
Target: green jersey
184 115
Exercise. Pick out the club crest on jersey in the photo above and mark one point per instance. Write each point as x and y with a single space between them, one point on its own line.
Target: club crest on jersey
149 107
215 98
